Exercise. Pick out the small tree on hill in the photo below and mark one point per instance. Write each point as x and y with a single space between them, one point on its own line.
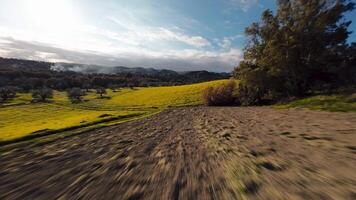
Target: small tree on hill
75 94
114 87
101 91
7 92
87 87
42 94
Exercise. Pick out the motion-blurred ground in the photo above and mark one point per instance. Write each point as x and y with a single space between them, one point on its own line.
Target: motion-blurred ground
194 153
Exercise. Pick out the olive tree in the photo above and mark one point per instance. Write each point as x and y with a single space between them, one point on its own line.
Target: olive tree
101 91
7 92
75 94
42 94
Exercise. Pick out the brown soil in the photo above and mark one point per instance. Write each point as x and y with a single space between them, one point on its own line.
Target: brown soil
194 153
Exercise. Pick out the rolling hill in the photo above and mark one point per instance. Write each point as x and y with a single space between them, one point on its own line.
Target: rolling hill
20 117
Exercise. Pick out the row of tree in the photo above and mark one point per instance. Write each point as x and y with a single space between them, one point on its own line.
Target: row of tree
64 80
43 94
299 50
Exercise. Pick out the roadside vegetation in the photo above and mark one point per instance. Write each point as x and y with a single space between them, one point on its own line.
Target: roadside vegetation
335 103
221 95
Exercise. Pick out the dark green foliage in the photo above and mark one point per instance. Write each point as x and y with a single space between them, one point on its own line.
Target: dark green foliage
221 95
75 94
42 94
300 49
7 93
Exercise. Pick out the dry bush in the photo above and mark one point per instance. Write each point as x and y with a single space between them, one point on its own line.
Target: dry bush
221 95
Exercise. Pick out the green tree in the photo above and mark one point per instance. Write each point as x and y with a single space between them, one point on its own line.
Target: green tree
299 49
7 92
75 94
101 91
42 94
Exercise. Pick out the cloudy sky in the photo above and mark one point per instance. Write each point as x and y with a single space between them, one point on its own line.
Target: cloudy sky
172 34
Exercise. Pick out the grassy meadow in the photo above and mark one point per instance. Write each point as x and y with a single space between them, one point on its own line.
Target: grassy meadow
334 103
20 118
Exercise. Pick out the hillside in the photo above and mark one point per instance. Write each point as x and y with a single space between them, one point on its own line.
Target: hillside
20 117
28 74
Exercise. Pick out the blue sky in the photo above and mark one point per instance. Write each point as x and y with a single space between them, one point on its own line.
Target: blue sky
172 34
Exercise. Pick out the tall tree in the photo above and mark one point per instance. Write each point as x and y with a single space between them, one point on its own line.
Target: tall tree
298 49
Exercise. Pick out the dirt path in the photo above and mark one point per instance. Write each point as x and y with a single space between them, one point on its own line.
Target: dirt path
194 153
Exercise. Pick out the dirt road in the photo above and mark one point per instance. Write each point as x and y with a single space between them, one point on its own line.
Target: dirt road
194 153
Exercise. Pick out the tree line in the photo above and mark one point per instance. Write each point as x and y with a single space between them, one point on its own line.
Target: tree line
29 80
43 94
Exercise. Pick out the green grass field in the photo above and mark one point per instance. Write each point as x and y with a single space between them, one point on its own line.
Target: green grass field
20 118
335 103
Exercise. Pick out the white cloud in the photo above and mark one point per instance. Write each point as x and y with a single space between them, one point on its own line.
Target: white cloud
196 41
135 34
227 42
180 60
244 5
129 37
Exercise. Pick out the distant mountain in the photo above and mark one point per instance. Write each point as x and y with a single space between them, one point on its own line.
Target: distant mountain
31 65
97 69
162 74
201 76
24 65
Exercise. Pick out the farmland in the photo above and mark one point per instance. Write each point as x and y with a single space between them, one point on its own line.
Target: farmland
19 117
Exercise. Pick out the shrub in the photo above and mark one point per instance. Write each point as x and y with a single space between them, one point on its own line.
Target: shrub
7 92
101 91
250 95
75 94
42 94
221 95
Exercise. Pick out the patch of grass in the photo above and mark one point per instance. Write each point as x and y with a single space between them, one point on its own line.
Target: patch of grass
334 103
22 120
49 136
162 96
270 166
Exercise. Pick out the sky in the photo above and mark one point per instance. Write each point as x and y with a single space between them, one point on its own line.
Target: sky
182 35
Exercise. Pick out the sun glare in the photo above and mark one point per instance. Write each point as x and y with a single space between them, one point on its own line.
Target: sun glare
53 15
